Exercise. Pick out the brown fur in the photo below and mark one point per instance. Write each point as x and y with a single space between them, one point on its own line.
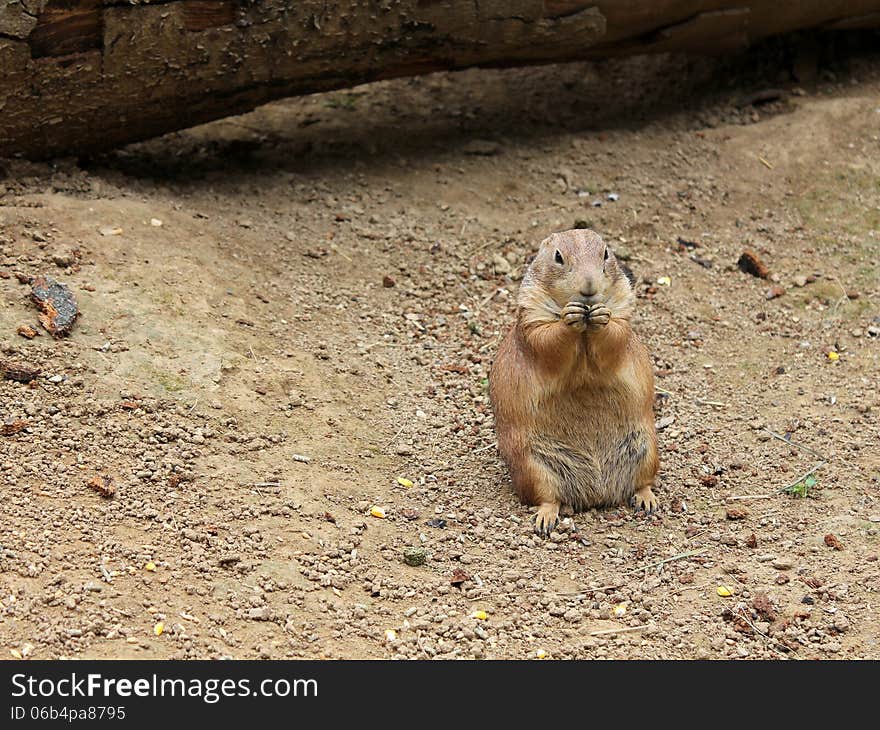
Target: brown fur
572 387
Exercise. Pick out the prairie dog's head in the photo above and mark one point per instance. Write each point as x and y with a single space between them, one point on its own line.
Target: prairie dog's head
576 265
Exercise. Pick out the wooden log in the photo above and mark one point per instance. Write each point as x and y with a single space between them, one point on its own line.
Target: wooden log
80 76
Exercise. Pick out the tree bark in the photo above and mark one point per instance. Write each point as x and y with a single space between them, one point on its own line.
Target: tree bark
80 76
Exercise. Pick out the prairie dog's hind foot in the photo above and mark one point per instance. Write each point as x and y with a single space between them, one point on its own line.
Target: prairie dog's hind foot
644 500
546 518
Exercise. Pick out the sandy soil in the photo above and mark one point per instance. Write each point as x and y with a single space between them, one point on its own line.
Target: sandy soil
289 317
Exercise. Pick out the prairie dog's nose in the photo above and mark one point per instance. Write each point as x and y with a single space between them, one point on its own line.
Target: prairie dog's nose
588 288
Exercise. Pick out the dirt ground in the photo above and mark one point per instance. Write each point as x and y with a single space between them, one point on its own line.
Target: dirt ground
288 319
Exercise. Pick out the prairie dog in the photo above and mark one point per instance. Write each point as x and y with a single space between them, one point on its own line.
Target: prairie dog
572 387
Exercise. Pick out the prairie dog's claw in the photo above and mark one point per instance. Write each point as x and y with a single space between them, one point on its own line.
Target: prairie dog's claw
645 500
598 316
546 518
575 314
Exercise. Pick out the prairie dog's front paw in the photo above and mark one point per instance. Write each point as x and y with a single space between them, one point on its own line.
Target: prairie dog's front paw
575 314
598 316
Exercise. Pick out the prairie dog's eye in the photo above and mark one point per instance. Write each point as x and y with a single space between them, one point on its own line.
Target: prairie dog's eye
606 253
558 257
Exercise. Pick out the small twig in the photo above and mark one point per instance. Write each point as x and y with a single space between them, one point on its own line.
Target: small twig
691 587
485 301
662 392
613 586
781 489
801 478
485 448
481 247
742 613
765 163
394 438
698 533
701 402
252 353
622 630
792 443
582 594
841 300
680 556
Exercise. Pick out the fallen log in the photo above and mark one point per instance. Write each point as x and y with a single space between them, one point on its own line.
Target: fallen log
80 76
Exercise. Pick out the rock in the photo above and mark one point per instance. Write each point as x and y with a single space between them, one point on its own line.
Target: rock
263 613
833 541
751 264
58 309
501 264
799 281
10 426
782 564
572 615
103 485
19 371
774 292
415 556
